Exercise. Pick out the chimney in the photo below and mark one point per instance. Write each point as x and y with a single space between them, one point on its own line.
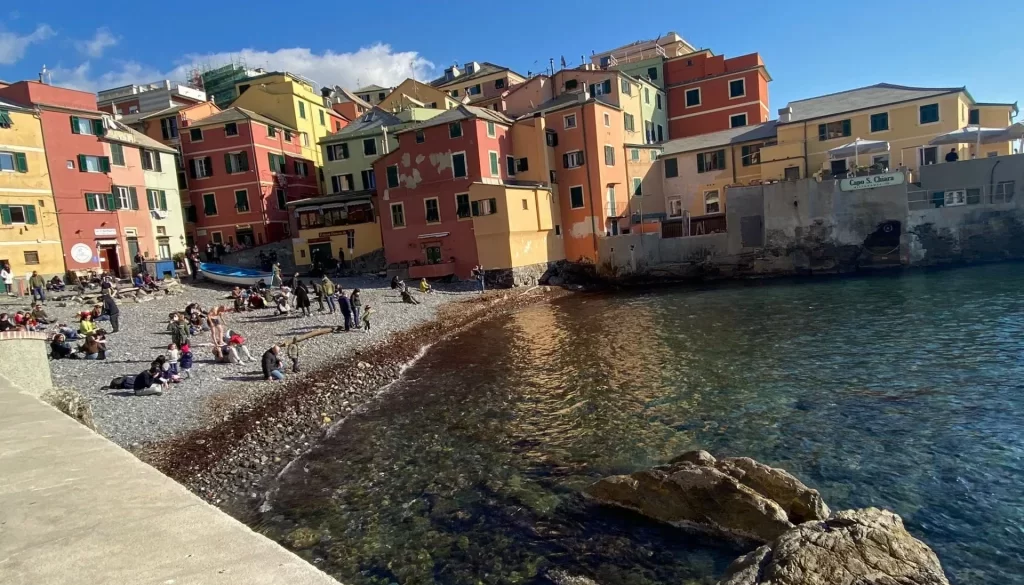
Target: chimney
785 114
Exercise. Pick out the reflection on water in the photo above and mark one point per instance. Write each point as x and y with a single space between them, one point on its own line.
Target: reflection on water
898 392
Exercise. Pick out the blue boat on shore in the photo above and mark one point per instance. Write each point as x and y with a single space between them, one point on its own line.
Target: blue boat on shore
233 275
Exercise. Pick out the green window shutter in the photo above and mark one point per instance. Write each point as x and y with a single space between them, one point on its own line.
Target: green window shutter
151 198
134 197
159 166
163 200
74 125
20 162
243 162
227 162
700 162
111 202
30 215
81 163
5 213
846 128
105 164
209 166
822 134
90 202
97 128
273 163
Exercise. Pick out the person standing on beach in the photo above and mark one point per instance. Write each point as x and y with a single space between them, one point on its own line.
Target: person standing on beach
294 353
354 301
179 331
8 277
478 274
318 289
346 309
37 284
272 364
111 310
367 311
302 298
328 290
275 280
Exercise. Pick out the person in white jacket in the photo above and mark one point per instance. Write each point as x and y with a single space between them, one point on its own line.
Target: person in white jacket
8 278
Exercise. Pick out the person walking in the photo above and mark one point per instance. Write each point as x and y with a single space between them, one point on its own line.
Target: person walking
354 301
294 353
367 311
295 281
209 252
8 278
302 298
111 310
345 305
479 274
275 279
272 364
328 288
37 284
318 288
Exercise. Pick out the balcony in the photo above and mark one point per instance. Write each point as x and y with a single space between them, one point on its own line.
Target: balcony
439 270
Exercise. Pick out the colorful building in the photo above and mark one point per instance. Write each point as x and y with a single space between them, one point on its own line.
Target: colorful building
708 93
344 102
646 58
150 97
102 224
219 82
415 94
457 193
477 81
243 168
29 234
373 94
646 202
336 227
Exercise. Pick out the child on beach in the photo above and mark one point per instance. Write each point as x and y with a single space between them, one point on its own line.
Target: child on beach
367 311
185 361
293 353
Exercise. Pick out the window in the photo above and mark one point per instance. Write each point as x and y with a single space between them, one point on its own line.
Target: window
711 161
302 109
638 186
634 154
209 204
473 90
737 88
791 173
337 126
151 161
572 160
558 230
647 95
751 155
231 129
282 200
510 165
880 122
491 133
369 179
607 120
671 168
242 201
526 205
277 163
603 88
522 165
499 84
93 164
571 84
693 97
99 202
420 137
551 138
190 214
711 204
628 122
323 122
217 237
495 165
657 100
12 214
304 138
652 73
31 257
301 168
156 199
397 215
484 207
974 117
381 96
611 201
462 205
287 135
117 155
881 160
200 167
648 132
609 155
459 165
654 155
13 162
195 134
675 207
337 151
271 132
126 198
661 133
5 119
576 197
832 130
433 213
929 114
929 155
455 93
569 121
737 120
87 126
455 130
626 86
392 176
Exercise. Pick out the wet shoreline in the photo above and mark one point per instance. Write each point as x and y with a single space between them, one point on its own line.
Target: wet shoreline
231 464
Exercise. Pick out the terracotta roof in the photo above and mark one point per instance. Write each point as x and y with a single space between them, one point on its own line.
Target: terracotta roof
486 68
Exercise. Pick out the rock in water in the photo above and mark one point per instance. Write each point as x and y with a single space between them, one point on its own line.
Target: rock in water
736 498
853 547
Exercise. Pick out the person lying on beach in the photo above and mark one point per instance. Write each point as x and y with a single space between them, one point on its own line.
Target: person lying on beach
148 383
6 324
224 354
408 298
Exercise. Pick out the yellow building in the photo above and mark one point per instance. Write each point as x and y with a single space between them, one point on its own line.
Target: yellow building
644 185
415 94
29 236
293 100
520 232
335 227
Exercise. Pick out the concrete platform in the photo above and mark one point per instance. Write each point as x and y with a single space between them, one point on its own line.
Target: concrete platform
77 509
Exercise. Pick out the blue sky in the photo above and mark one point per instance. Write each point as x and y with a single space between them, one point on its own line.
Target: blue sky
808 46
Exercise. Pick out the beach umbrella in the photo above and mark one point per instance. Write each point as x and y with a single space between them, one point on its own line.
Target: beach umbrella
857 148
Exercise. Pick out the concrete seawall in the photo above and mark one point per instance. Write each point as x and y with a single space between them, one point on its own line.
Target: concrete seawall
77 509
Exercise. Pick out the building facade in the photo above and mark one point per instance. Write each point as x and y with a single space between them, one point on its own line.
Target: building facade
415 94
336 228
477 80
150 97
709 93
644 58
29 234
243 169
373 94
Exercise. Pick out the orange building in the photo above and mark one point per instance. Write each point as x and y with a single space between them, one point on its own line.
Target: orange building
709 93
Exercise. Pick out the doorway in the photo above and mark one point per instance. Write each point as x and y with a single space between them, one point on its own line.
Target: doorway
245 238
109 258
133 248
929 155
320 255
433 254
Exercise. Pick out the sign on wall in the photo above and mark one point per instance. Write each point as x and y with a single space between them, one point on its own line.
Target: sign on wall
81 253
872 181
104 232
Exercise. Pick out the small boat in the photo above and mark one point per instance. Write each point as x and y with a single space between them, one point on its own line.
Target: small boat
233 275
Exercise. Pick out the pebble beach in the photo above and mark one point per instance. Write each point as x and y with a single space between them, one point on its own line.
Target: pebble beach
215 389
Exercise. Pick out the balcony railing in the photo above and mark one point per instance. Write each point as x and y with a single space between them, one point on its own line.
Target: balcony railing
1001 192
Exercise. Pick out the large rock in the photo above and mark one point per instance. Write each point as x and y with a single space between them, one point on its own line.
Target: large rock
854 547
735 498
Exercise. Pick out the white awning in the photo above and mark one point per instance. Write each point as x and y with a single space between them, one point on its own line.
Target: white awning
858 147
974 135
437 235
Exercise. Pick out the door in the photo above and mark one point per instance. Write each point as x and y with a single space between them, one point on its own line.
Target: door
433 254
929 155
839 167
246 238
319 254
133 248
108 256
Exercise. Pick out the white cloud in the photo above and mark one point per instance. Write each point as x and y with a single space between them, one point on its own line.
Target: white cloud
13 45
95 46
377 64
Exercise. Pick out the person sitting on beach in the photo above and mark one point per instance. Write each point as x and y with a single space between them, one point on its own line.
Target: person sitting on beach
148 383
395 282
55 284
237 343
261 286
40 315
61 349
93 348
236 297
97 313
256 301
168 373
408 298
137 281
284 301
425 286
148 284
86 325
222 354
272 364
6 324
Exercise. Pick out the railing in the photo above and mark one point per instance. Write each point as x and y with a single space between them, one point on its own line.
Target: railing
1001 192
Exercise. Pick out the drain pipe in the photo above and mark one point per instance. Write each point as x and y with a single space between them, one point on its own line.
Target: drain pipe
590 178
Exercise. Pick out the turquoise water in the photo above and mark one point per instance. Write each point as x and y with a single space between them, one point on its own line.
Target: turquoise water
897 392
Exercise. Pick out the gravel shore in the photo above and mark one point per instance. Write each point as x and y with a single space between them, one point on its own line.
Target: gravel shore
217 389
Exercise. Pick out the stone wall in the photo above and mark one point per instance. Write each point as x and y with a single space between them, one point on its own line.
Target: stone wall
24 362
653 256
531 275
250 258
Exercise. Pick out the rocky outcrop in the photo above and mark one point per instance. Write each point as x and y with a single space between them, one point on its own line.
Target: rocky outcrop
854 547
736 498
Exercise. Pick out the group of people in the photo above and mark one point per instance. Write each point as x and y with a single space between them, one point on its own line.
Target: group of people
298 295
93 337
37 283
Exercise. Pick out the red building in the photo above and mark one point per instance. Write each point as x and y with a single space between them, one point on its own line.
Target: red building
101 222
708 93
243 168
424 186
